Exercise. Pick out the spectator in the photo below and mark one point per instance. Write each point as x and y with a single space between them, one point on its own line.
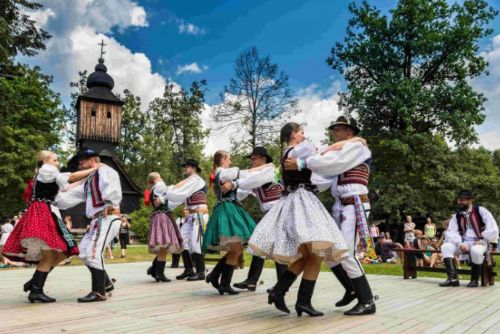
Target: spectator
124 235
425 259
436 258
409 229
430 228
385 249
374 231
6 229
388 237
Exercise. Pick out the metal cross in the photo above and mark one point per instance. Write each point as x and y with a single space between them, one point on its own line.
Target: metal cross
102 47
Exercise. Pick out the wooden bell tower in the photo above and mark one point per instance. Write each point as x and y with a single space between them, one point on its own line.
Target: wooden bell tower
99 112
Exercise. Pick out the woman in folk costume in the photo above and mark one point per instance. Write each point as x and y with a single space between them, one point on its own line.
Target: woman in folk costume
298 230
164 236
40 236
229 226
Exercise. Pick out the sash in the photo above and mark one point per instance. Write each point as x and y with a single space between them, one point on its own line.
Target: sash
92 188
362 227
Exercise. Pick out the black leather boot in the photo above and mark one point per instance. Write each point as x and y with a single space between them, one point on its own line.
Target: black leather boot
213 276
98 293
160 272
304 296
277 295
452 279
225 280
175 260
349 294
37 284
152 270
280 269
27 285
200 268
188 266
254 273
474 277
365 304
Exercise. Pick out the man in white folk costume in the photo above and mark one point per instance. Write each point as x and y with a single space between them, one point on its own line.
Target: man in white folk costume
349 169
261 184
470 231
193 192
102 193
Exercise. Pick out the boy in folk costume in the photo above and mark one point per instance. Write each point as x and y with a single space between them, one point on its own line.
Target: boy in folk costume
350 167
261 185
102 193
193 192
469 231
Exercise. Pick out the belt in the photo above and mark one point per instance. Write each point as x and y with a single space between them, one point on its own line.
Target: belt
294 187
109 211
350 200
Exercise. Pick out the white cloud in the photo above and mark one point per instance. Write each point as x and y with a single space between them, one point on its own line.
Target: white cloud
190 68
76 28
490 87
318 108
189 28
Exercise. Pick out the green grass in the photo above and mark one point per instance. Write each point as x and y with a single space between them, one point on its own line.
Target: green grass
139 253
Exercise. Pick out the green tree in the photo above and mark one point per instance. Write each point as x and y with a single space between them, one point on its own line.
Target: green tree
255 100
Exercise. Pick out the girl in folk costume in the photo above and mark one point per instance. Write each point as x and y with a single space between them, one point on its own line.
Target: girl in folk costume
41 236
229 227
164 236
310 234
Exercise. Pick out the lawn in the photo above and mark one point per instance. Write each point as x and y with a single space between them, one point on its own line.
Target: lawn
139 253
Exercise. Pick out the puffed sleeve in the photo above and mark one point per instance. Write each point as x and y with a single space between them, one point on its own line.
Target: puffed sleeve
181 193
321 182
302 150
173 205
242 194
253 179
337 162
491 227
71 197
159 189
50 173
228 174
451 234
110 186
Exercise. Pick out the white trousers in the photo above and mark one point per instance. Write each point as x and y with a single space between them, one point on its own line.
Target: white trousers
347 219
449 250
102 231
191 232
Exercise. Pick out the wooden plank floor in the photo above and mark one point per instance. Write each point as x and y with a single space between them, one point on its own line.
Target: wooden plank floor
140 305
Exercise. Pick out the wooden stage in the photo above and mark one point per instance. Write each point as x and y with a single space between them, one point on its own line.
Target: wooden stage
140 305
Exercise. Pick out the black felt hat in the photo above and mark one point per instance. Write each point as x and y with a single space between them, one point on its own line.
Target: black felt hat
192 163
86 153
345 121
466 194
259 150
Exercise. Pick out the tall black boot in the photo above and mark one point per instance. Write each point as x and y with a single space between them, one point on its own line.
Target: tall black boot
304 296
254 273
152 270
365 304
213 276
160 272
452 279
474 277
98 292
280 269
27 285
37 284
344 279
200 268
188 266
277 295
225 280
175 260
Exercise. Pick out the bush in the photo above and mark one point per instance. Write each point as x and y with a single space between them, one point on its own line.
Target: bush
140 222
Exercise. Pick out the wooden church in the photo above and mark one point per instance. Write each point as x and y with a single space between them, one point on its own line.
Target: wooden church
99 115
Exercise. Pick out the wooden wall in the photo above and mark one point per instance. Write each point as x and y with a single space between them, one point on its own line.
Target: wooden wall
98 121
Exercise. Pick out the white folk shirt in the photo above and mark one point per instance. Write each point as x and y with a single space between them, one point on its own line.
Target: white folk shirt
159 191
250 181
179 195
109 186
490 232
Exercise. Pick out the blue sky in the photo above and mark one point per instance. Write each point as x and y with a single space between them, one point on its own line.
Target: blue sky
151 41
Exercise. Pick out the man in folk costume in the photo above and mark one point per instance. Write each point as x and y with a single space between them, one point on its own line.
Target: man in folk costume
470 230
262 186
179 221
350 169
102 193
192 191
